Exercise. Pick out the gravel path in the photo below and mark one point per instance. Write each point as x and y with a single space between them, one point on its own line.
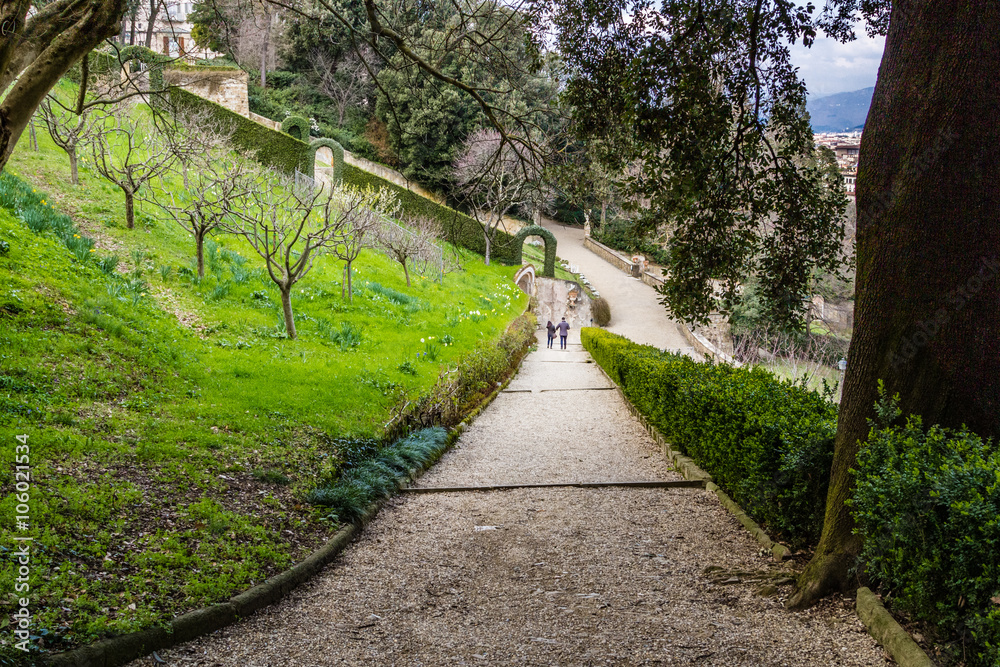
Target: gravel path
608 576
636 312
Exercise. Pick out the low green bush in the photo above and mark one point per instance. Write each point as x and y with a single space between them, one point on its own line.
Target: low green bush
379 476
927 503
767 442
601 310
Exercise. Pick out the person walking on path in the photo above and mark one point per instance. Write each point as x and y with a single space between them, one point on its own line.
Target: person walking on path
563 332
551 328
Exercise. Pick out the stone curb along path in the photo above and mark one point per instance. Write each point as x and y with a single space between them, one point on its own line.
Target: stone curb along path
126 648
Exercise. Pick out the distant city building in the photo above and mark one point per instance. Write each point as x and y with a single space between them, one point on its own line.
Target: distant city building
171 31
846 146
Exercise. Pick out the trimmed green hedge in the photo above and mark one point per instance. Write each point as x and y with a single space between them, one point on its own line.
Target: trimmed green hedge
458 228
766 442
338 155
297 126
276 149
549 270
927 503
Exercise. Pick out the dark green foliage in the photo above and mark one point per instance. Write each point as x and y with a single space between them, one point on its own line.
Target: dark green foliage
276 149
42 218
601 310
767 442
457 228
427 120
297 126
380 475
927 503
549 270
623 235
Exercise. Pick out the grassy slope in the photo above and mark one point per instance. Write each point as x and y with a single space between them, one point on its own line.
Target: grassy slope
173 431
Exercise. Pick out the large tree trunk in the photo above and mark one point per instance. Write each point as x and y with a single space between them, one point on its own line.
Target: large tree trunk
927 309
286 306
55 37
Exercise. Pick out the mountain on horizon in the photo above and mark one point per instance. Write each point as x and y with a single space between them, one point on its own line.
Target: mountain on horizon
841 112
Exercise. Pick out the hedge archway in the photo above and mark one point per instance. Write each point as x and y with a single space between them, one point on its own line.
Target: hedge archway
297 126
550 247
338 156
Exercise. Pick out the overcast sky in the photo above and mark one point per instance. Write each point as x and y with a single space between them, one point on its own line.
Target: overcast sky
831 67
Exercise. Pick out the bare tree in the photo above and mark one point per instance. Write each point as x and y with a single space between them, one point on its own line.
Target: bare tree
361 213
493 180
410 242
154 10
345 81
130 152
194 136
70 129
222 180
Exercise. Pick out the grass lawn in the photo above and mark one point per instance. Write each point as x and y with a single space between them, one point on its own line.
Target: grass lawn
174 431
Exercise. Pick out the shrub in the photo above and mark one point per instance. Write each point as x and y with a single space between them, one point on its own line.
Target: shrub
767 442
380 475
601 310
927 503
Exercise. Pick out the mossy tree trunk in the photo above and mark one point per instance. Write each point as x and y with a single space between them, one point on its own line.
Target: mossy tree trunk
129 208
74 174
927 308
199 240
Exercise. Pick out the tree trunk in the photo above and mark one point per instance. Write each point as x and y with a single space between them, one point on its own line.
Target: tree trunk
55 39
129 209
286 306
199 240
406 272
488 244
263 50
131 30
927 308
350 285
184 171
34 137
154 9
74 175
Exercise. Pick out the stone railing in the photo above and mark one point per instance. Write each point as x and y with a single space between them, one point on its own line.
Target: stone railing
609 255
392 176
266 122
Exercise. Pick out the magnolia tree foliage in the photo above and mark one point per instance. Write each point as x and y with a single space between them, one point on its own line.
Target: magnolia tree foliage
493 180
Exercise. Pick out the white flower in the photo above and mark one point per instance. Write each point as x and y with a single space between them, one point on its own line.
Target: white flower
421 340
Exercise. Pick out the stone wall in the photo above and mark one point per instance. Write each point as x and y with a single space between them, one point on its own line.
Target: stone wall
610 256
838 315
266 122
227 88
562 298
392 176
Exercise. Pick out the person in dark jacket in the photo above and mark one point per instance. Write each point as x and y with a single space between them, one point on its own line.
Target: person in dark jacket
563 332
551 328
